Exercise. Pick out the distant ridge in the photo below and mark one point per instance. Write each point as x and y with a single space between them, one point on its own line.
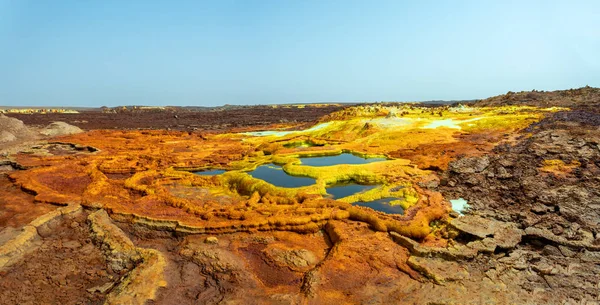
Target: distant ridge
584 96
580 97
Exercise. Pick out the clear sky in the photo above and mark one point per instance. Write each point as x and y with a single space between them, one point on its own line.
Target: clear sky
124 52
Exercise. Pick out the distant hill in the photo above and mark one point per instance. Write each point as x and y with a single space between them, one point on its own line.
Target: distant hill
582 97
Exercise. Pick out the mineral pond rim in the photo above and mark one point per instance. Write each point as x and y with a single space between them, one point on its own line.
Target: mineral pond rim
312 204
277 176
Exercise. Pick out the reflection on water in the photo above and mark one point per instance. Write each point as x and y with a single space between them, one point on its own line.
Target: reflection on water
339 159
345 190
275 175
382 205
210 172
300 144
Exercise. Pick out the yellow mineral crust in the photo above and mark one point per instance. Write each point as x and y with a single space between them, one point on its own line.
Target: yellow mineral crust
559 167
145 177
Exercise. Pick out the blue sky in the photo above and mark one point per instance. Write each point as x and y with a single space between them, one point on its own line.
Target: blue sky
113 52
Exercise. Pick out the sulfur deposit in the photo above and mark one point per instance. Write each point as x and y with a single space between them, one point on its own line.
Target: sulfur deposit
163 233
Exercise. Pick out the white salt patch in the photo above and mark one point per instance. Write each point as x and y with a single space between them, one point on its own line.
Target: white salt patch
391 122
459 205
449 123
277 133
317 127
268 133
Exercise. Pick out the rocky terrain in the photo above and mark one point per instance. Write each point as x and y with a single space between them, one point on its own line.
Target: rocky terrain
118 217
547 185
12 129
183 119
15 135
585 97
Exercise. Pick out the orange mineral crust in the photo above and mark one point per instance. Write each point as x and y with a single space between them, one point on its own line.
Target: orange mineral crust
191 217
18 207
158 193
144 176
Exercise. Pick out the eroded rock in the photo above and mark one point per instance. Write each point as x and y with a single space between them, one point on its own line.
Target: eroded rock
502 234
470 165
6 136
146 265
12 129
60 129
295 259
438 270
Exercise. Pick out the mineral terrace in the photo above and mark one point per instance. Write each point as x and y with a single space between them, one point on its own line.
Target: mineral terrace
497 202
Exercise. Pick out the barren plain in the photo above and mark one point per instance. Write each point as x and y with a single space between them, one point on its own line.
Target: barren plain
493 202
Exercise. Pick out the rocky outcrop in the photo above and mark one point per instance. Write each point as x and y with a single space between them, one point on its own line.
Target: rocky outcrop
547 180
535 206
454 252
531 235
60 129
295 259
492 233
6 136
470 165
146 265
14 249
438 270
12 129
585 96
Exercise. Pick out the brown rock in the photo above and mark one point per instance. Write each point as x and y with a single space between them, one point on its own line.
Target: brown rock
551 251
470 165
544 268
72 244
438 270
60 129
485 245
566 251
502 173
505 234
295 259
102 288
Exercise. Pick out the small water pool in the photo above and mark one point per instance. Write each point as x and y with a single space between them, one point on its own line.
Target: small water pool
275 175
345 158
382 205
345 190
210 172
